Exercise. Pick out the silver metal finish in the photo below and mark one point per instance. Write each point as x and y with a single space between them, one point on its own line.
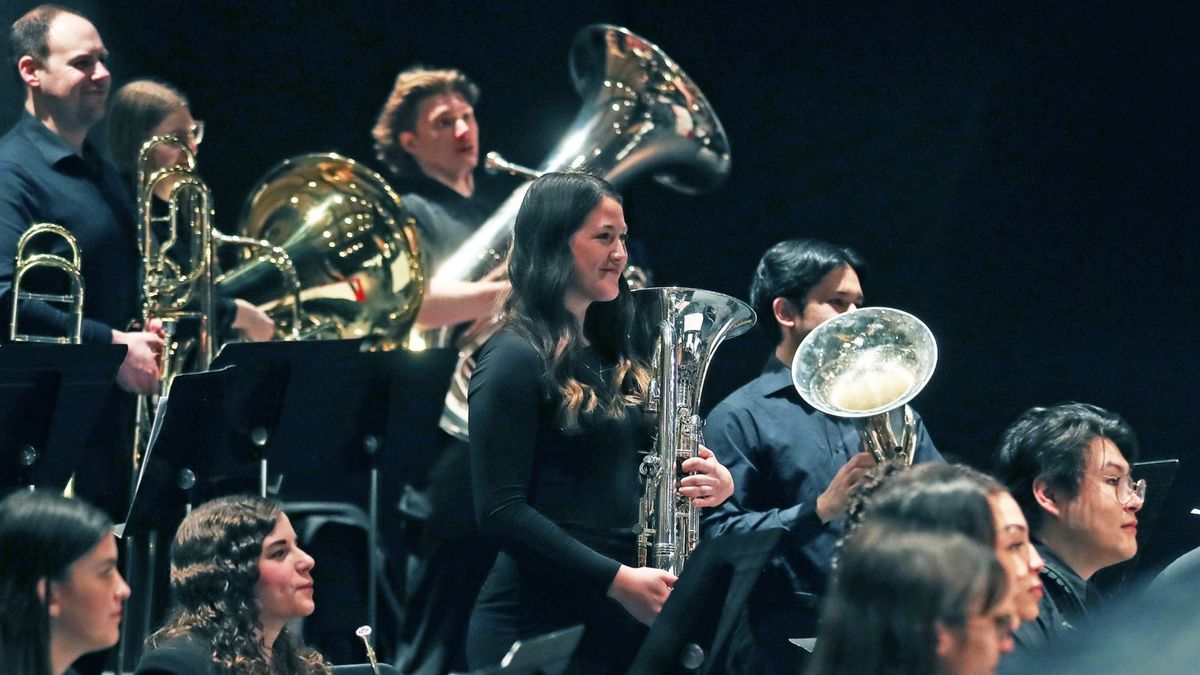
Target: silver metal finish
677 331
868 364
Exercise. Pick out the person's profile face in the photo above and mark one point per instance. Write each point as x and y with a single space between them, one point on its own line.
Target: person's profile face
838 292
445 139
975 647
598 249
85 608
73 76
285 587
180 124
1017 555
1104 528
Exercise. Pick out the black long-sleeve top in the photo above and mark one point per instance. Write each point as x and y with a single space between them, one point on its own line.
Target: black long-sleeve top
562 505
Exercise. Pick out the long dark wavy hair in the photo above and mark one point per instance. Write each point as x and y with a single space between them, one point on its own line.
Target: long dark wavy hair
41 536
214 569
891 592
541 268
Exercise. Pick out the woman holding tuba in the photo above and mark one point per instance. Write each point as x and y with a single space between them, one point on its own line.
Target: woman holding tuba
141 110
555 429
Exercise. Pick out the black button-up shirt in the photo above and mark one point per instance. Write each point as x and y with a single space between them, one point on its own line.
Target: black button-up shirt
44 180
783 454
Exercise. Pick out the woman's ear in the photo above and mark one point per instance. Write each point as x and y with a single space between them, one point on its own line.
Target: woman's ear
49 595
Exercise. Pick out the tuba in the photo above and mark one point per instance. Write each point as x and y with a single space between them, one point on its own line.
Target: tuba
641 114
71 268
353 247
868 364
677 330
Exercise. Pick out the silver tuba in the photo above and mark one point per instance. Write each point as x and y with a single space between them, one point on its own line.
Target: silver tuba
641 113
71 268
677 330
868 364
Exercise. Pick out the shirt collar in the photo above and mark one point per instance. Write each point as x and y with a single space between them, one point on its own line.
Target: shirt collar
1057 567
50 144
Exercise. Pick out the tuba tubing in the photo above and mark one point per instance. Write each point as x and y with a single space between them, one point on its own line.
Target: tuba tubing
677 330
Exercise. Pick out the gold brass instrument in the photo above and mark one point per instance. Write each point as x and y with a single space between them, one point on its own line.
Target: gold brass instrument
641 113
353 246
69 267
677 330
867 364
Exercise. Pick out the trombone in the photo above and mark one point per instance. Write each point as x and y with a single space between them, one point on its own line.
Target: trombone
70 267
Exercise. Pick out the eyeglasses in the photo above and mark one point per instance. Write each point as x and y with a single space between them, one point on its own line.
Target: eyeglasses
196 131
1125 488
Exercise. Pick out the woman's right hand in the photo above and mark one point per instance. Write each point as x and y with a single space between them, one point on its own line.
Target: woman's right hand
642 591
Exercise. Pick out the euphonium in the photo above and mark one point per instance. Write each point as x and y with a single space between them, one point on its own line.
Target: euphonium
354 248
70 268
867 364
677 331
640 113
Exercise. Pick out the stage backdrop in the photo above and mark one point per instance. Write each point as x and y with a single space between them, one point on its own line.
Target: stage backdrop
1021 177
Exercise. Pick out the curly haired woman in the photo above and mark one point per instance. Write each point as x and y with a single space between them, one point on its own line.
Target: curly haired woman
237 578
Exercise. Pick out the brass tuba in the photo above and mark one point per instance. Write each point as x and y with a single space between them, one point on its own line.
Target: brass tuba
867 364
677 330
352 244
71 268
641 114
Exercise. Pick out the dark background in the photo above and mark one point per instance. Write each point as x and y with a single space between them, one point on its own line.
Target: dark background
1021 177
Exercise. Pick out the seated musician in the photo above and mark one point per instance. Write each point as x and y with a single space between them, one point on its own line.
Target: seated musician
145 108
237 578
60 591
956 498
1068 466
913 602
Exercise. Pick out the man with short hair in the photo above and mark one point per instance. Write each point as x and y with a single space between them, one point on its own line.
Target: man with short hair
49 172
793 466
1068 466
428 136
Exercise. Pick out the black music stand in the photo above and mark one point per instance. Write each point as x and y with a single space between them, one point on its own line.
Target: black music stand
50 400
1159 476
548 654
368 414
693 630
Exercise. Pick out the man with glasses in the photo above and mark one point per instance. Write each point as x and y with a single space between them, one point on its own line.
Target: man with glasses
793 467
1068 466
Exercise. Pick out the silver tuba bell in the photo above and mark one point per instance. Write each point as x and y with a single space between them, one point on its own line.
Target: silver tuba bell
677 330
867 364
640 114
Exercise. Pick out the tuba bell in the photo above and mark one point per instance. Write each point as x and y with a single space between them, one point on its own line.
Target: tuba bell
353 247
677 330
867 364
641 113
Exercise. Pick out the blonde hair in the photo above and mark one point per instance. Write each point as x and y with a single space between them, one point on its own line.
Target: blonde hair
137 108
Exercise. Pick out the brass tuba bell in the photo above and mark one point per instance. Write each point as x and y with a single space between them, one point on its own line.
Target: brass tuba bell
867 364
353 246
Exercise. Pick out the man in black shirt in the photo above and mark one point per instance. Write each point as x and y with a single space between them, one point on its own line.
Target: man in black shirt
50 173
793 467
1068 466
428 136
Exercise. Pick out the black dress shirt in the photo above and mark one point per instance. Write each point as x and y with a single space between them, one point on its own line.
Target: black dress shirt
44 180
783 454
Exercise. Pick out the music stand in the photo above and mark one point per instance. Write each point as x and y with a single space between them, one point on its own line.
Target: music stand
548 654
384 413
1159 476
50 399
694 627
